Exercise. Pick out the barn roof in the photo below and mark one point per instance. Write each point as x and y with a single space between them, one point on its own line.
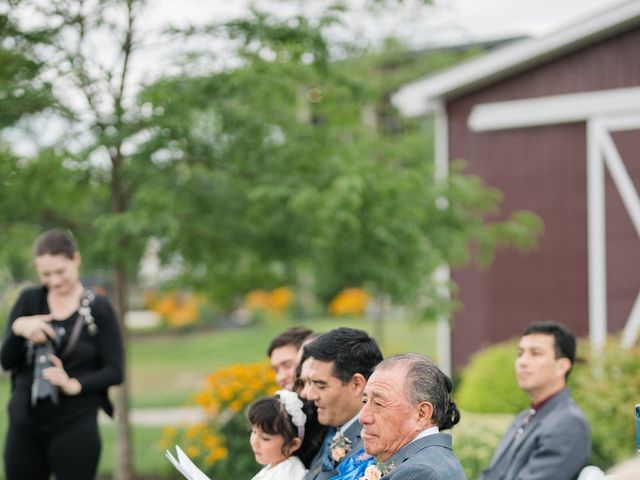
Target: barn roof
424 95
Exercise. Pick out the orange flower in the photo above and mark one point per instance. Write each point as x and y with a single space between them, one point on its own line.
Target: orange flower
350 301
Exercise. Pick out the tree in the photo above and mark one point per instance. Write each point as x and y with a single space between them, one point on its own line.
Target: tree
298 164
87 182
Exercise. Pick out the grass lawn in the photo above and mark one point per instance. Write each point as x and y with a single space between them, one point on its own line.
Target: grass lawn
167 369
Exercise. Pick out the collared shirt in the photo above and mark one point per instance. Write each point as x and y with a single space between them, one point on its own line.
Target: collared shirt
344 427
539 405
425 433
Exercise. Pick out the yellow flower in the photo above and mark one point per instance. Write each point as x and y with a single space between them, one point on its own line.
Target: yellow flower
350 301
193 451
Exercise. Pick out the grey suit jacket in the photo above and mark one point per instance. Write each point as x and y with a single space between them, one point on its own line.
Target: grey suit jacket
315 470
555 444
428 458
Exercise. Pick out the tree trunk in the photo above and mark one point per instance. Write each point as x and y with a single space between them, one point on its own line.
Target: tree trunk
382 307
123 469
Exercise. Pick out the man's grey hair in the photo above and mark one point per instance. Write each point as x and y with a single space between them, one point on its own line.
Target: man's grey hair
425 382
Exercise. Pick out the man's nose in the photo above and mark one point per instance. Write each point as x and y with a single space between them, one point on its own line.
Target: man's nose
365 416
312 393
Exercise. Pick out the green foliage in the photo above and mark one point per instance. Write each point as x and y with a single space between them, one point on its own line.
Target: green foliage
23 90
607 388
297 165
488 383
475 439
241 462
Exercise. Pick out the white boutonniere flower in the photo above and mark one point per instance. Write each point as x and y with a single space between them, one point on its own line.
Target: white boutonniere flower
377 471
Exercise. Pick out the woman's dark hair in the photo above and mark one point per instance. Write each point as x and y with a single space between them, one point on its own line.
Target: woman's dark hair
270 416
55 242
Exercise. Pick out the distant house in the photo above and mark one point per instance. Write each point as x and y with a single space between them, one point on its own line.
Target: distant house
554 123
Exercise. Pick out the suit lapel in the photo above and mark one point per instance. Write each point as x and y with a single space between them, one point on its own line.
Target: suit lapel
507 440
511 443
353 434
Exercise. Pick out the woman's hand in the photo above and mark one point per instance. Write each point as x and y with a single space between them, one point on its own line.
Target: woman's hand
56 375
34 327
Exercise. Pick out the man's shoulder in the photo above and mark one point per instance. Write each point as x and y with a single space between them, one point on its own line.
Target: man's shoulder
427 465
565 411
429 457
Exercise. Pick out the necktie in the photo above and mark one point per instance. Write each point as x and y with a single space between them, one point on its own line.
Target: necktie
524 423
327 461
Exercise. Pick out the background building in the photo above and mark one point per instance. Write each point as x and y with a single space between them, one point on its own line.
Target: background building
554 123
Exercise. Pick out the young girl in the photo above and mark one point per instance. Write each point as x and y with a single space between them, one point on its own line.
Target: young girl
284 434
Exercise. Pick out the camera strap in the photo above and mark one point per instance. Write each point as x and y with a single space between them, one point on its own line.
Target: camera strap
84 318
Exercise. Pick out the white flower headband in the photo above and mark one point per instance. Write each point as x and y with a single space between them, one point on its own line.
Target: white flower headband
293 405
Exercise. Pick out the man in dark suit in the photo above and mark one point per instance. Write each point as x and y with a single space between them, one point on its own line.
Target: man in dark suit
406 404
339 364
552 439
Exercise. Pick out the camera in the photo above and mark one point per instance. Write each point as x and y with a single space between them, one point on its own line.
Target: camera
638 427
40 388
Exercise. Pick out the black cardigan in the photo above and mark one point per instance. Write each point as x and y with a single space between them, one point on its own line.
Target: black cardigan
95 361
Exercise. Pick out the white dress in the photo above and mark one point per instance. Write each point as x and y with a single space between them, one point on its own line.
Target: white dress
290 469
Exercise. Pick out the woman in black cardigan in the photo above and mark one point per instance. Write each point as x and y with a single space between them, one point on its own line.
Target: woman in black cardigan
64 349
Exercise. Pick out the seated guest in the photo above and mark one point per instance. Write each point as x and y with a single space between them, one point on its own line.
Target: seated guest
405 405
340 362
552 438
301 383
284 354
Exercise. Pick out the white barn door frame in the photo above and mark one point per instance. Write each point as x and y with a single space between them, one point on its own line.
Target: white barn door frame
602 153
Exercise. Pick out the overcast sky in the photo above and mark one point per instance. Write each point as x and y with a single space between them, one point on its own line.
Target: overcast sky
447 21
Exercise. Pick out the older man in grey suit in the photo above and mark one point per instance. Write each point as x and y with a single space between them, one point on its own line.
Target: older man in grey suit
552 439
406 404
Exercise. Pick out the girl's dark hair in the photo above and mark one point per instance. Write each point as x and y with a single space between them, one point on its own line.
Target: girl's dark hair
55 242
270 416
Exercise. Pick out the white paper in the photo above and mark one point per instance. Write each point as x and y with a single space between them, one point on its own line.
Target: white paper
185 466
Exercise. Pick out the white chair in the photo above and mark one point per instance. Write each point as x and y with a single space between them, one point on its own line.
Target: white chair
592 472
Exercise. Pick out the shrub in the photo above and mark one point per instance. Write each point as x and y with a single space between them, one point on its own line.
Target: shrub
607 387
177 309
277 300
220 445
475 439
350 301
488 383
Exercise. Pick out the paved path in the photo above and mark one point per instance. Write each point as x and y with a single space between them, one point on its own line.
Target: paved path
159 417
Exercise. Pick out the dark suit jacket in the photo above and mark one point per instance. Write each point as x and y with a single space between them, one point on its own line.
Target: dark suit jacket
428 458
555 444
315 470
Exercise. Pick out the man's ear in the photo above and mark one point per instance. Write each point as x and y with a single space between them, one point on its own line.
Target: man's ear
358 382
425 413
564 364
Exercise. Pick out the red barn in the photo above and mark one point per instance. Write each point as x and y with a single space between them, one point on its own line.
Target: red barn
554 123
